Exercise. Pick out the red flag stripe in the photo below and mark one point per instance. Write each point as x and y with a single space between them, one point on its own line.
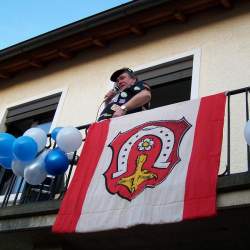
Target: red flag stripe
71 206
200 193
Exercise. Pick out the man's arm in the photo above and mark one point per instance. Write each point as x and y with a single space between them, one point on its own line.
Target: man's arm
138 100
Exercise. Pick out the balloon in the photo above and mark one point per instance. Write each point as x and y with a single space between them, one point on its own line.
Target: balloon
247 132
5 161
39 137
34 172
69 139
6 143
25 148
56 162
55 132
18 167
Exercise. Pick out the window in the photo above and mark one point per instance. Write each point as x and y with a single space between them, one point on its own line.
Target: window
32 114
170 82
37 113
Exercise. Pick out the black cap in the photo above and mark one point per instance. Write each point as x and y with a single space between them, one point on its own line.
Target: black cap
118 72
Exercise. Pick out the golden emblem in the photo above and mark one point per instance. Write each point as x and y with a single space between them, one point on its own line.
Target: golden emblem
132 182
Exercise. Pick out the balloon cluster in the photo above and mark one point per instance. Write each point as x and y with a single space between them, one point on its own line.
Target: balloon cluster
28 156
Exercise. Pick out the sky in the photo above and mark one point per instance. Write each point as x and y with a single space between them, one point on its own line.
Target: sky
24 19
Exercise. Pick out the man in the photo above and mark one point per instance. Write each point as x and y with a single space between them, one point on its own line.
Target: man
128 96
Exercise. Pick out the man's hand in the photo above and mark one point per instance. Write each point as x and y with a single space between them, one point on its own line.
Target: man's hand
119 112
109 95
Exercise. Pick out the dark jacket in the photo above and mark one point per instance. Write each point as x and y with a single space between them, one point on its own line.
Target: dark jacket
122 97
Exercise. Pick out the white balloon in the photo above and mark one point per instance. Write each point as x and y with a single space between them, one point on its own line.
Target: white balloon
18 167
35 172
39 136
247 132
69 139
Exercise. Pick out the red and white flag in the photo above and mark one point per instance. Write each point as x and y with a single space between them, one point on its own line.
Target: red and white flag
152 167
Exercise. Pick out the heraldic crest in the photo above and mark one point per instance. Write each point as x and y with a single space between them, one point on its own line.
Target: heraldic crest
144 156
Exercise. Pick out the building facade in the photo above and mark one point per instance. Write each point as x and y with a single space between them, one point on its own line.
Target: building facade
184 50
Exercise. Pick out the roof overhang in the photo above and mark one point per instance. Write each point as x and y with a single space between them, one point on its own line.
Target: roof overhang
134 17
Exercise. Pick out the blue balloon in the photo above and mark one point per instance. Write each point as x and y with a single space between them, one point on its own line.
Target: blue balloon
55 132
6 161
56 162
6 143
25 148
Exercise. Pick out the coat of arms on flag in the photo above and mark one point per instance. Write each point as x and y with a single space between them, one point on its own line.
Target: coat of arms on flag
144 156
156 166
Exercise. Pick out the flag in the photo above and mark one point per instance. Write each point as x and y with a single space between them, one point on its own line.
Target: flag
156 166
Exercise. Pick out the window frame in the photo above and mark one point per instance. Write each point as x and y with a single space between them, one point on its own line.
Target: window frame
196 54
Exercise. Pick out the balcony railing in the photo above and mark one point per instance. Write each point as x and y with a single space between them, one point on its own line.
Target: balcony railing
53 188
245 92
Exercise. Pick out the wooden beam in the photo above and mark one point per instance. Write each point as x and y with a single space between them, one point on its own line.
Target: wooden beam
136 30
98 42
4 75
36 64
179 16
65 55
226 3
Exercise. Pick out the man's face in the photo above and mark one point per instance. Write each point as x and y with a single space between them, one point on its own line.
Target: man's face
124 81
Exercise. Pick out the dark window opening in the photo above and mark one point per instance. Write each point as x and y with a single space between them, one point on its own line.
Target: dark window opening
170 82
17 128
174 92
